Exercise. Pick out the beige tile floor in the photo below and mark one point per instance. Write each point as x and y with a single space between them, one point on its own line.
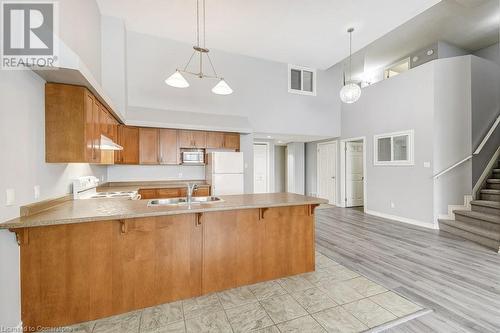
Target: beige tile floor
331 299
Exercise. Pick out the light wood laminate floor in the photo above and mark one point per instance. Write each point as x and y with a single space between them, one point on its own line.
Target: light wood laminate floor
456 278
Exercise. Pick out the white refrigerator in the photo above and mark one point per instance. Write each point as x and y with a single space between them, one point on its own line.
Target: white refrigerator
224 172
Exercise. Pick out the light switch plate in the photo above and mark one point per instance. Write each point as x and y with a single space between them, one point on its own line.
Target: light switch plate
36 190
427 164
393 205
10 196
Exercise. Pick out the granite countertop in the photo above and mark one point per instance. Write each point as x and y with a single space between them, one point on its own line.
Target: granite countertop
92 210
144 185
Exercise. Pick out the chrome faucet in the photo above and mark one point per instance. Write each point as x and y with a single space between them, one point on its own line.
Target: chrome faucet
190 190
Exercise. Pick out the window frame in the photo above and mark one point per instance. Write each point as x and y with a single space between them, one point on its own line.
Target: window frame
395 64
410 148
301 91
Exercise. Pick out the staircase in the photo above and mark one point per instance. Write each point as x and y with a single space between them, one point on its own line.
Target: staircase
482 223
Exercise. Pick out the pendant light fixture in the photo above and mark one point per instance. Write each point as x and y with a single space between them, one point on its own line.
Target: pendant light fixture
200 52
350 92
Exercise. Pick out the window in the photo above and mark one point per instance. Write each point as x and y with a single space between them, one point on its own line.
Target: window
397 68
301 80
394 148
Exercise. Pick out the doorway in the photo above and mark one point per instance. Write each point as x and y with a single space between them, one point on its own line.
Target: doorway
353 172
261 168
327 171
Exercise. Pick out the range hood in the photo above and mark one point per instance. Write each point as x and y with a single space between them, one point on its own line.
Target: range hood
108 144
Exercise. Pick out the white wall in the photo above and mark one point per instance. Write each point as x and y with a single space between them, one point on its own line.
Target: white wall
280 168
452 131
491 53
22 131
260 89
118 173
246 147
401 103
113 58
80 29
296 167
485 101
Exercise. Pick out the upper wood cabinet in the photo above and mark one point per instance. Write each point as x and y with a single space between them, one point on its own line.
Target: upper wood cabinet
192 139
128 138
232 141
221 140
169 146
215 140
149 146
72 125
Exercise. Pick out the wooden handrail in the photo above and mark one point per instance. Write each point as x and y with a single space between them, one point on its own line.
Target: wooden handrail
476 152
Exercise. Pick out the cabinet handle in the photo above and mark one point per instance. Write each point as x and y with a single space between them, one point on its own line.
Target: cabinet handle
198 219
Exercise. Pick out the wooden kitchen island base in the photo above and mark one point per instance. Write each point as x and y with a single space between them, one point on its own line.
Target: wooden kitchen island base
72 273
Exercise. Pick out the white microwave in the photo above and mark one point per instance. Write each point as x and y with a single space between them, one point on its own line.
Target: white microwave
193 157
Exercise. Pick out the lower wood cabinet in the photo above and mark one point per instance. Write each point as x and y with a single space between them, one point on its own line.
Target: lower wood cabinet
165 193
79 272
247 246
85 271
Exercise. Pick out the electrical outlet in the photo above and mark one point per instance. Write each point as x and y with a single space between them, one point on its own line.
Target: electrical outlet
180 175
36 190
10 196
427 164
393 205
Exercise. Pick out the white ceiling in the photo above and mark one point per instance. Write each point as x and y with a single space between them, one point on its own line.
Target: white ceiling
307 33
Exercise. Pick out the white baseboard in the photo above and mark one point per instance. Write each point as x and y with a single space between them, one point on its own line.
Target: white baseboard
402 219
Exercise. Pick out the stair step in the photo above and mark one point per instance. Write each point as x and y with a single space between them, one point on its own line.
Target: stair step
488 207
493 235
489 243
490 195
496 173
493 184
478 216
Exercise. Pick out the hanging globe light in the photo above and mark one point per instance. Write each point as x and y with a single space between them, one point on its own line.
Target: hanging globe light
350 92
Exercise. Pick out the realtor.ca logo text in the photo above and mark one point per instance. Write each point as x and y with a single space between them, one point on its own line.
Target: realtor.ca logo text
29 35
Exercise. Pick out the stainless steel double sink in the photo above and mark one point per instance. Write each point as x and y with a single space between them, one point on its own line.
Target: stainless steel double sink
183 201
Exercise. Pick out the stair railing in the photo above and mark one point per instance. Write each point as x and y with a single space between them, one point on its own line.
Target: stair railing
476 152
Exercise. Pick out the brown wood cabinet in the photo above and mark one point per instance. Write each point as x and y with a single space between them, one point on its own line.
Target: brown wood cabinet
149 146
128 138
232 141
74 123
232 249
85 271
169 146
248 246
215 140
174 192
72 131
79 272
192 139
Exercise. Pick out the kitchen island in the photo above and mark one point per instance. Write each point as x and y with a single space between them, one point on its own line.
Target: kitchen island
87 259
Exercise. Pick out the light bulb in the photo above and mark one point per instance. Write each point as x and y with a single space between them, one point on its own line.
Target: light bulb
350 93
222 88
177 80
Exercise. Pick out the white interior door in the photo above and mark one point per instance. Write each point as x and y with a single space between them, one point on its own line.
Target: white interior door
327 171
260 168
354 174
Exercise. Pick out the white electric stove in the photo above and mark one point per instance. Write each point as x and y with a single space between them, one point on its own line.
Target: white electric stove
85 188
